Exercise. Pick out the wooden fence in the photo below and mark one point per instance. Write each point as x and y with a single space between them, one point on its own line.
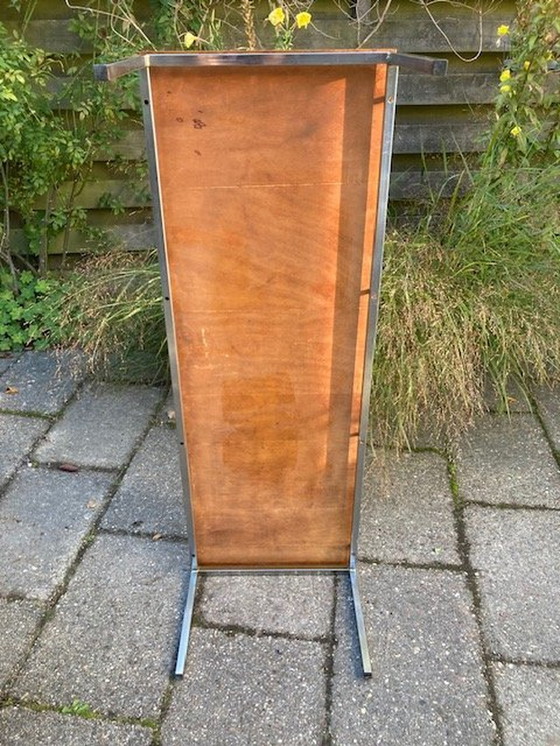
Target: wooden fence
438 119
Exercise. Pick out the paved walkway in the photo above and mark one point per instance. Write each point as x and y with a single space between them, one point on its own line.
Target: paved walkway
460 575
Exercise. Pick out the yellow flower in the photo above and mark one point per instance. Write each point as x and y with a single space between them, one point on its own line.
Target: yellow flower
506 75
189 39
277 16
515 131
503 30
303 20
505 88
526 65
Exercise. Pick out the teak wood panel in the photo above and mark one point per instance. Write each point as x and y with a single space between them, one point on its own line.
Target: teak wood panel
268 183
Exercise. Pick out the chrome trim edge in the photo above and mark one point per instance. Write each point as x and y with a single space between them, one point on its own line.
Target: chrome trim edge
375 283
186 623
360 624
426 65
149 127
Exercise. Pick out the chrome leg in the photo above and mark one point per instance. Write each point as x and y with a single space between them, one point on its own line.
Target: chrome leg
360 626
186 625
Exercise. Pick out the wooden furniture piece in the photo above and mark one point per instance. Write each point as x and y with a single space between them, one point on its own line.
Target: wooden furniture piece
269 177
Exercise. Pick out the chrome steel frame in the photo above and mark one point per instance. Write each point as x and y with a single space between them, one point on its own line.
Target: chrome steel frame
143 63
114 70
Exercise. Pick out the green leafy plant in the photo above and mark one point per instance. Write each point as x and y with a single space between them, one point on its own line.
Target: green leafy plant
36 153
79 708
28 312
526 129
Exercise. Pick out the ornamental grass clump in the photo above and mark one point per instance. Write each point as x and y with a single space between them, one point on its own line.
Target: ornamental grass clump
472 304
471 301
112 310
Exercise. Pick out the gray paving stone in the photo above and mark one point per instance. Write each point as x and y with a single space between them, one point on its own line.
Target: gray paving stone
407 511
517 554
248 691
112 640
44 382
427 687
28 728
548 404
150 497
6 360
18 622
529 697
508 461
296 604
101 426
44 517
17 435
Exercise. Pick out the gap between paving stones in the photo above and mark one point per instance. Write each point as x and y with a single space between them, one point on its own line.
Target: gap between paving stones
167 696
177 538
514 506
233 630
472 587
33 706
329 666
86 542
50 604
412 565
551 444
64 728
533 663
165 704
30 415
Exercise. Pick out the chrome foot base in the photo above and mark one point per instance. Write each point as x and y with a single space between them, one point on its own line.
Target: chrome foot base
188 614
360 626
186 625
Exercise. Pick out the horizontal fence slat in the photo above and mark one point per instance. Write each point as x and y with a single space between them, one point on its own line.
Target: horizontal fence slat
126 237
420 35
435 137
93 192
405 185
418 185
463 30
459 88
466 137
475 88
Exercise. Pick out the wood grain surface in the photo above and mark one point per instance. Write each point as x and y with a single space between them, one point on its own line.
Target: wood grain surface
268 181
